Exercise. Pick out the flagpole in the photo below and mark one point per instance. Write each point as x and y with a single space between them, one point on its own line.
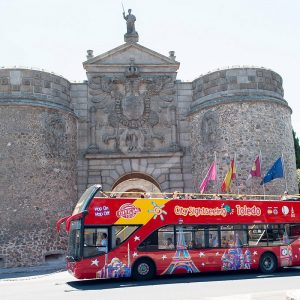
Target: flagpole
236 176
283 167
204 178
217 180
251 187
261 174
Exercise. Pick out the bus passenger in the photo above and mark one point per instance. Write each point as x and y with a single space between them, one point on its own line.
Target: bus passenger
224 242
165 196
103 239
170 244
118 241
213 241
285 196
176 195
192 244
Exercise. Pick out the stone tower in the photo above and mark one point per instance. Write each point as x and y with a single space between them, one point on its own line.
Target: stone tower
239 113
38 165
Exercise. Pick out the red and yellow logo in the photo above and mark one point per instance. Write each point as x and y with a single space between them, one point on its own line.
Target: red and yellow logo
127 211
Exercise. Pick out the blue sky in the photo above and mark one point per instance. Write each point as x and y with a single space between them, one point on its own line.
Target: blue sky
205 35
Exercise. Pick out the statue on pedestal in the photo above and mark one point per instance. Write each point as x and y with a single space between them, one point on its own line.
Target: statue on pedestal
131 36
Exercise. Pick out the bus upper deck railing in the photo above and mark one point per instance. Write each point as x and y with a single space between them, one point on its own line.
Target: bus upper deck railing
194 196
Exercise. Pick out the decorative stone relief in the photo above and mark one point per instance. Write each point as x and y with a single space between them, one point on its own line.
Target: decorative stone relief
128 101
55 134
209 128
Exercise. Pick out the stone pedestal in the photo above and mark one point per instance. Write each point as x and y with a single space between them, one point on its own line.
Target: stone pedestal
131 38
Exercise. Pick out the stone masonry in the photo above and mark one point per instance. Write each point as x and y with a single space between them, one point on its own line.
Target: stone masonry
38 165
130 126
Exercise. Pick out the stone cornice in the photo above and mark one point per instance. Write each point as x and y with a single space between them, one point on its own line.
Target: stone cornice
132 155
36 103
125 46
221 100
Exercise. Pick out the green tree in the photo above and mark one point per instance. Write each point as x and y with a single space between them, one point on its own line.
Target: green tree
298 177
297 149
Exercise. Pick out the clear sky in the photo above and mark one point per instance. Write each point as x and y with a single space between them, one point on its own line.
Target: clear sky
205 35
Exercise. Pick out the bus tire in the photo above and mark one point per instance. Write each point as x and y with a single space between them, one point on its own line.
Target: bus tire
268 263
143 269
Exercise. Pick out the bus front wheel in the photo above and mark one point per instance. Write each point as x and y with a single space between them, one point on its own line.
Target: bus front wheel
143 269
268 263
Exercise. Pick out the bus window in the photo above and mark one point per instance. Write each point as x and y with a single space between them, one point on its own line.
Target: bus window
233 236
95 241
120 233
281 234
199 238
166 238
294 230
227 236
241 235
213 237
185 236
150 243
258 235
276 235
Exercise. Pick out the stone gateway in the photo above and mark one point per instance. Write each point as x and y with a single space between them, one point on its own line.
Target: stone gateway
132 126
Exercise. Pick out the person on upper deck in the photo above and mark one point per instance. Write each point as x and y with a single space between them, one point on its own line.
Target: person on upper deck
285 196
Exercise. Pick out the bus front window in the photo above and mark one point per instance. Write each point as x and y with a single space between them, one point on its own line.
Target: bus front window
95 241
74 240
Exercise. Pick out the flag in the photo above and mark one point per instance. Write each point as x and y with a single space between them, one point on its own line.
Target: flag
255 170
211 175
276 171
231 174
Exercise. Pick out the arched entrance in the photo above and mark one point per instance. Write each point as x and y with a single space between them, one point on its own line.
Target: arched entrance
134 184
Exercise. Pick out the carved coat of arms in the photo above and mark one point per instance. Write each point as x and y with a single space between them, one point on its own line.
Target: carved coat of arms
127 101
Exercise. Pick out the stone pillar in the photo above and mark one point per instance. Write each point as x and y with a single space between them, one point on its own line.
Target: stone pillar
174 145
93 148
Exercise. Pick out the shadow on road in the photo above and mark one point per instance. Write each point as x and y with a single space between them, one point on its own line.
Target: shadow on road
100 284
31 271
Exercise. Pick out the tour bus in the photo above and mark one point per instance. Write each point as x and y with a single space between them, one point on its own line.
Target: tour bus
143 237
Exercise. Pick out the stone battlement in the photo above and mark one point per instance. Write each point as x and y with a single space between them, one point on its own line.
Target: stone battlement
235 85
33 87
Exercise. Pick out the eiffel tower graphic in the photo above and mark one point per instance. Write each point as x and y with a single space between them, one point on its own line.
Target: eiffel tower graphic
182 258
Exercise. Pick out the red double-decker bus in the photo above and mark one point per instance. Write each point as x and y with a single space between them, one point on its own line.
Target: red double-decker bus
138 237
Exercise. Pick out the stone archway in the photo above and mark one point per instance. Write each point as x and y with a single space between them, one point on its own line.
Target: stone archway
136 184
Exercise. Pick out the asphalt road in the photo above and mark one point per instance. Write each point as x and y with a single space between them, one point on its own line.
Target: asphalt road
208 286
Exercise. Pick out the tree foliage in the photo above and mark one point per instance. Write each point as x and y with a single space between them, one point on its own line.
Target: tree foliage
297 149
298 177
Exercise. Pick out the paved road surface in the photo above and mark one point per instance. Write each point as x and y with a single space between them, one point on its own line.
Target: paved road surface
207 286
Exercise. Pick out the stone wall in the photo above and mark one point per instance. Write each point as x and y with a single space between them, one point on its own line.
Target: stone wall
38 165
241 112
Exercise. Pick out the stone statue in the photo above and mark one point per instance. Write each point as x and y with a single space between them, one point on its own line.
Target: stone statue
131 36
130 19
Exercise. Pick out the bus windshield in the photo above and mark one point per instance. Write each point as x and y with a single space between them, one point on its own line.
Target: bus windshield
74 240
85 198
